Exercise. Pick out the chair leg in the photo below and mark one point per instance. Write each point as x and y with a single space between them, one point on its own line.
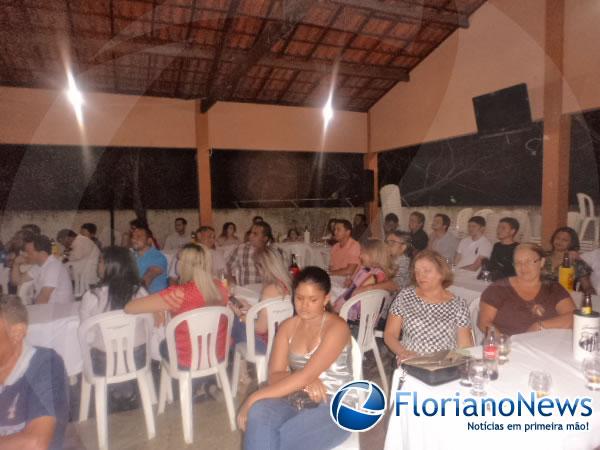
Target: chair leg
235 373
185 400
101 414
151 386
261 369
146 396
84 403
382 374
163 393
228 396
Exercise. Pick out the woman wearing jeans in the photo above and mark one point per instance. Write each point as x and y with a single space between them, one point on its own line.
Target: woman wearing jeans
311 355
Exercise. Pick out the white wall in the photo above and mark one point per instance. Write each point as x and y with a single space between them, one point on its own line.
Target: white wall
161 221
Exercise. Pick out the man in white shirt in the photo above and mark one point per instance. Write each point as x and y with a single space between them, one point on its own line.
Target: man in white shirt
441 240
177 240
78 246
475 247
50 277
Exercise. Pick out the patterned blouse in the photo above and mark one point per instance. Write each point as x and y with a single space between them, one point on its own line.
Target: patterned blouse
429 327
582 269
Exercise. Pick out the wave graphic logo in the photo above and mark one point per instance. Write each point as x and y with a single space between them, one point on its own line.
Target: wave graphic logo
367 415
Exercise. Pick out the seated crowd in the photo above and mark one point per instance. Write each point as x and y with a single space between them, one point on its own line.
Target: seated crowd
310 354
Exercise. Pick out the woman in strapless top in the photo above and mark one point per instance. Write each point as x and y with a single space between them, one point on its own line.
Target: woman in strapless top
311 353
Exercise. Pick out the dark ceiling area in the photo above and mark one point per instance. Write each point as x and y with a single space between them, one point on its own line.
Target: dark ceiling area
261 51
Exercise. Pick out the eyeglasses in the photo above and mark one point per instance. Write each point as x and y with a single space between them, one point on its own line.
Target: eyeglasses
527 262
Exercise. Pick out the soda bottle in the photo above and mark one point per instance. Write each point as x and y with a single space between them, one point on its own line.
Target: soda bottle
294 269
566 273
490 353
306 236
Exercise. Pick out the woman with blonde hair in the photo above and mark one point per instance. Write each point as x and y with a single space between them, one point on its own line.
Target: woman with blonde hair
196 289
276 282
376 267
428 317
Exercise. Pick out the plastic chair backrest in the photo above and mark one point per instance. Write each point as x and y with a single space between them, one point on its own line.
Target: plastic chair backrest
117 331
278 310
462 219
203 328
26 292
491 227
484 213
586 205
370 306
356 361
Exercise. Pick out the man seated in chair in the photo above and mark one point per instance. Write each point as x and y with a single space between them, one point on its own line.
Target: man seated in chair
50 277
34 404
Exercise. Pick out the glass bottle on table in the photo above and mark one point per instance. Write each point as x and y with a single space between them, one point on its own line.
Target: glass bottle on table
490 352
294 269
586 305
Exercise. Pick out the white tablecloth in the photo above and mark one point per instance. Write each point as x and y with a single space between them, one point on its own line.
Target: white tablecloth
55 326
306 254
549 351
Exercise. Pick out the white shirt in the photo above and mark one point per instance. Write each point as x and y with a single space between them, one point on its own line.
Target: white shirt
593 259
469 250
95 301
55 275
176 241
82 248
445 246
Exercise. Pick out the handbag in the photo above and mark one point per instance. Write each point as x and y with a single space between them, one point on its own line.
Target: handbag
301 400
436 368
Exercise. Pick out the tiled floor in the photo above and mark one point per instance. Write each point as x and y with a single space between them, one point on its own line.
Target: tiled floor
127 430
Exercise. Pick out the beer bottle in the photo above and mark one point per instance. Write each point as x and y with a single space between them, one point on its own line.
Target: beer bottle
566 273
586 306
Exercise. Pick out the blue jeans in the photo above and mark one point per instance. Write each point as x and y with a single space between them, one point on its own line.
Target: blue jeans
238 333
274 424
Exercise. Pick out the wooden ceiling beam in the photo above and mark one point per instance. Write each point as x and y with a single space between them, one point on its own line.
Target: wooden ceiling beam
293 13
415 12
355 70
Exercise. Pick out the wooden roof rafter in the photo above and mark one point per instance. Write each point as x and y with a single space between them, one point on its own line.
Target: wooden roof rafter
272 32
412 11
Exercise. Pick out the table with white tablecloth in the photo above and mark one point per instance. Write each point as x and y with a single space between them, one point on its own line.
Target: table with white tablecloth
55 326
306 254
549 351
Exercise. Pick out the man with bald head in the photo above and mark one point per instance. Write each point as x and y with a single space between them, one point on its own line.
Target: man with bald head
34 404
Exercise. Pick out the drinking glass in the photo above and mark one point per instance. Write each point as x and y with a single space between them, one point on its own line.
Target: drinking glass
503 348
540 382
479 376
591 371
464 371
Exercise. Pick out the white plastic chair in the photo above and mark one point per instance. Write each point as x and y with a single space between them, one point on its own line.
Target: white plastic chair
278 310
203 326
461 222
483 213
370 306
353 441
117 331
588 217
491 227
85 273
26 292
